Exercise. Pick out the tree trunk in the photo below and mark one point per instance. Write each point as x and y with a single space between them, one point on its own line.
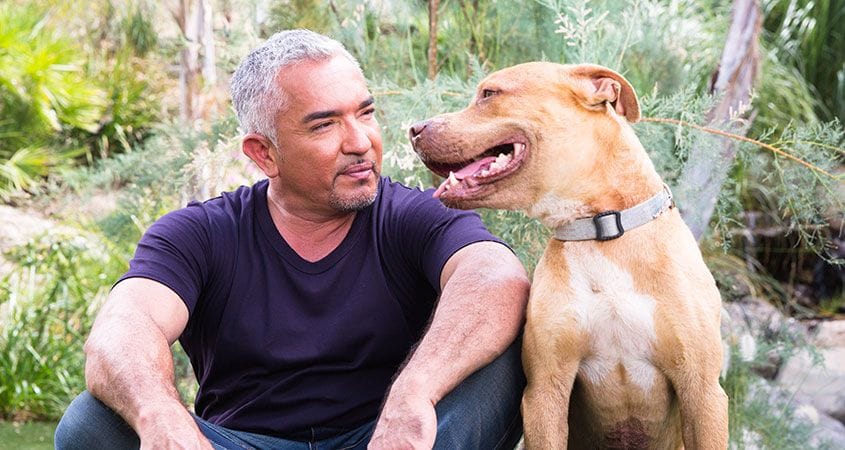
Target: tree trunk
209 56
707 169
432 38
186 17
195 21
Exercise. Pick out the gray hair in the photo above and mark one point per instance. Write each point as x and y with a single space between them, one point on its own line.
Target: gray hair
255 95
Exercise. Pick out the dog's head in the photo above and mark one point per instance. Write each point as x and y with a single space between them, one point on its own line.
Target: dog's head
531 130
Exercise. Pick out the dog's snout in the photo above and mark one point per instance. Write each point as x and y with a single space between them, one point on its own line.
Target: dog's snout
416 129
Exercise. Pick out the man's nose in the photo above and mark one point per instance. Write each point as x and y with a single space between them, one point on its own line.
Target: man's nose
357 139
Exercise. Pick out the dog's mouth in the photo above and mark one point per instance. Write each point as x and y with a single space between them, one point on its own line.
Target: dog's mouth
468 177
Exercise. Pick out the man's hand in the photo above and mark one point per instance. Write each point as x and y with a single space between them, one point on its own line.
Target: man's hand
174 430
407 421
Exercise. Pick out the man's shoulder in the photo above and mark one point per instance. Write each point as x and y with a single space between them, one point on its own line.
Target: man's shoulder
236 202
417 208
398 196
391 187
217 214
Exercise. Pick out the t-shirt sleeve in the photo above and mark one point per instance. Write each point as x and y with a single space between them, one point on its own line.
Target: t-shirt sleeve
433 233
174 252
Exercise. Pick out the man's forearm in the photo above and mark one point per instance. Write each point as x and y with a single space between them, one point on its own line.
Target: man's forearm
480 312
477 317
129 367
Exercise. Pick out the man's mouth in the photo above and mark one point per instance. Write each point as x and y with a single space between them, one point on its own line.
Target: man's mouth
468 177
360 170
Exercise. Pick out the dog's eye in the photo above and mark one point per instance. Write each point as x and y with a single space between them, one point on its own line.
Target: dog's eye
486 93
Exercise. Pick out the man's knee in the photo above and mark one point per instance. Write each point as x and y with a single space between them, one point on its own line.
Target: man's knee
88 423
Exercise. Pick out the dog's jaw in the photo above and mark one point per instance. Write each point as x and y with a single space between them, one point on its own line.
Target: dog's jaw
473 179
476 170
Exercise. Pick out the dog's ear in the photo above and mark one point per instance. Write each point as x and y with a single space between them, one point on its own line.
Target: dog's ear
601 85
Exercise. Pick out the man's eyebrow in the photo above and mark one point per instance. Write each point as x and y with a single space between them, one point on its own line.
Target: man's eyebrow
334 113
367 102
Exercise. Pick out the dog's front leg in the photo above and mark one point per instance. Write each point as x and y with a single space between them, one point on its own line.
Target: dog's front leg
694 373
704 414
551 364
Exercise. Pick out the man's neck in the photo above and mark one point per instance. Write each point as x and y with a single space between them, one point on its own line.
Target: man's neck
309 233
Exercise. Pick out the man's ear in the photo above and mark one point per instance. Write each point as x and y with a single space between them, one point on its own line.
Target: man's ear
600 85
261 151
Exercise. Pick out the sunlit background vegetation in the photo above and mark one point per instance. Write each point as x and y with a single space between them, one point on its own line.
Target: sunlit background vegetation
105 125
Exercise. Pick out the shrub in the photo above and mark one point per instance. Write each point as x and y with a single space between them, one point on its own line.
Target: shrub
43 91
47 303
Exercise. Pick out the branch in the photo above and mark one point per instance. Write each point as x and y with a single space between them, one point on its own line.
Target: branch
738 137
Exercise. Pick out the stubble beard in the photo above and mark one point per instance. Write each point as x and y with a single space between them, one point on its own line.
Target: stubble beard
353 203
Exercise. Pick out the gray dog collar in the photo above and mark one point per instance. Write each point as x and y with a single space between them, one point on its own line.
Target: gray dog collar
613 224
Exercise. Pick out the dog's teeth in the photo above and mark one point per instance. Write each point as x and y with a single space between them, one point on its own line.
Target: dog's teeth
484 173
502 160
518 148
452 179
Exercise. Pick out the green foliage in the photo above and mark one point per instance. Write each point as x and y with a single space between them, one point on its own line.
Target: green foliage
61 97
759 418
808 37
47 303
137 28
43 91
27 436
310 14
790 195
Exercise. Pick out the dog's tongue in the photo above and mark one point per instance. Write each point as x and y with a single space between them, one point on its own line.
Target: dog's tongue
464 173
474 167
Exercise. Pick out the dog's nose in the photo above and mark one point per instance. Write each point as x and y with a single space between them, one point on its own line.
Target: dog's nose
416 129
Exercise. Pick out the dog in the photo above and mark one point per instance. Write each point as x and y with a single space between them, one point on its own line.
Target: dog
622 344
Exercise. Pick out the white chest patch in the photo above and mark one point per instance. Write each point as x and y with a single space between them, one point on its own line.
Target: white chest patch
618 319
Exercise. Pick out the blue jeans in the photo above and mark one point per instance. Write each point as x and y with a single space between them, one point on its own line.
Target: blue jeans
480 413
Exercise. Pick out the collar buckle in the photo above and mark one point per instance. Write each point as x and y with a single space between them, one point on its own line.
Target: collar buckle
602 233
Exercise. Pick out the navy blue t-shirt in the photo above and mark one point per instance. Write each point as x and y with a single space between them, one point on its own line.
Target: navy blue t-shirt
280 344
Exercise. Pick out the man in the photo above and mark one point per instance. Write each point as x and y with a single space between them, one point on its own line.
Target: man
299 298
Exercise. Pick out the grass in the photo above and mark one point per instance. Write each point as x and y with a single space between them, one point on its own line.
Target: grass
26 435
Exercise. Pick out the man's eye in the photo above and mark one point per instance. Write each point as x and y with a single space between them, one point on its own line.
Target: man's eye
486 93
368 112
320 126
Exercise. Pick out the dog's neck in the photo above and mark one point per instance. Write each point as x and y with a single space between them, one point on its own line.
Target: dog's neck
622 182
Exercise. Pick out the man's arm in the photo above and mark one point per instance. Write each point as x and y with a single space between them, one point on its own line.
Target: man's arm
129 366
480 312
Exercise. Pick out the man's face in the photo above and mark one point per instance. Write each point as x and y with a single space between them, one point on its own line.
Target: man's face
329 143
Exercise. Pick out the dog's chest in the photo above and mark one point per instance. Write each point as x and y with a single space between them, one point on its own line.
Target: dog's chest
618 320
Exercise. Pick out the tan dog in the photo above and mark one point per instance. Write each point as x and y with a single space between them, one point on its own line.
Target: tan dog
622 345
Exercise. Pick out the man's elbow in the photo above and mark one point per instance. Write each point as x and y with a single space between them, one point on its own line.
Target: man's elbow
515 289
509 285
511 279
